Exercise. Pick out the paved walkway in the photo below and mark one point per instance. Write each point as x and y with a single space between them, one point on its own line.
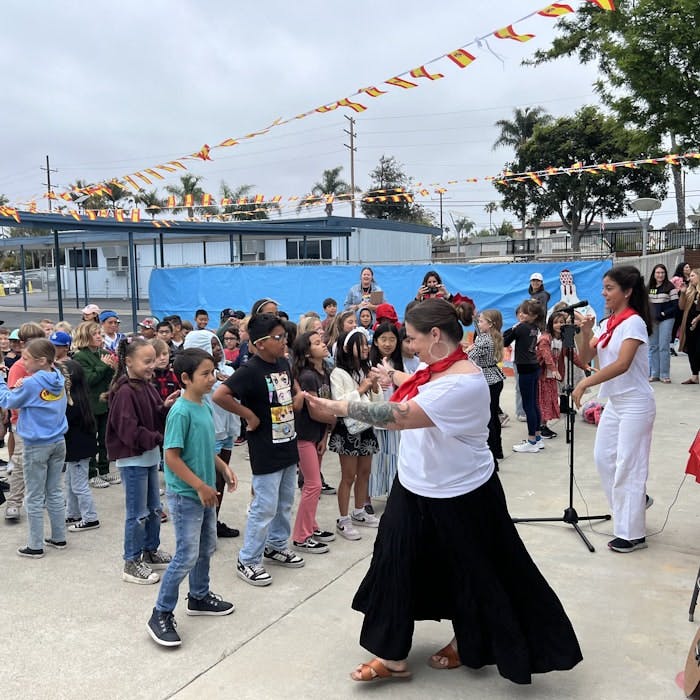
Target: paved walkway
72 628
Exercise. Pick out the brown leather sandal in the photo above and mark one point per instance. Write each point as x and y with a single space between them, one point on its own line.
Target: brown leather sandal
690 381
448 652
376 670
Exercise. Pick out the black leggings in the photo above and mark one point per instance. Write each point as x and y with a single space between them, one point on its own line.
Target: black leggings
494 440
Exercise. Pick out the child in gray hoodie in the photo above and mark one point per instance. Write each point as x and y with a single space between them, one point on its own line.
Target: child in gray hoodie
42 423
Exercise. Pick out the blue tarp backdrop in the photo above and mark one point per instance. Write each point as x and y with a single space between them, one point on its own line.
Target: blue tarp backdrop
299 288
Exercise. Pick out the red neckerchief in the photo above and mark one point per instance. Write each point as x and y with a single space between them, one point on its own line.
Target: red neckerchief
409 388
613 322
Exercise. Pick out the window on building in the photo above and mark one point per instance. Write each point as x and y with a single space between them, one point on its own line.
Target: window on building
312 250
75 257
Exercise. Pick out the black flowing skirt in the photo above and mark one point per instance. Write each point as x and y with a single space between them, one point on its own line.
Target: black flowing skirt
461 559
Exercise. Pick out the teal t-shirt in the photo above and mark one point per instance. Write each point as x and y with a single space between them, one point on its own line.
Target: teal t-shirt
190 426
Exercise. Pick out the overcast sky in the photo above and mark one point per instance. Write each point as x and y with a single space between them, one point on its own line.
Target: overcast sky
106 89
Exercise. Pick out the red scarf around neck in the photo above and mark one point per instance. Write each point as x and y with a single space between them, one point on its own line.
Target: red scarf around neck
409 388
613 322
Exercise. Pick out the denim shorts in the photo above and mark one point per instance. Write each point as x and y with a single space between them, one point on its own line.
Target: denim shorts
225 444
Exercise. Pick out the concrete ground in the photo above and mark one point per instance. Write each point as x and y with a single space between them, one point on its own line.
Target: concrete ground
72 628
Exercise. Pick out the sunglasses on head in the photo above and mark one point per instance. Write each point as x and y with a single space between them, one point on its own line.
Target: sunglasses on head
278 337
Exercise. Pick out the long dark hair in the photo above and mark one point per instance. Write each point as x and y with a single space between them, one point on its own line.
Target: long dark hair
431 273
438 313
679 269
301 349
79 395
666 286
126 348
629 277
533 308
347 359
375 357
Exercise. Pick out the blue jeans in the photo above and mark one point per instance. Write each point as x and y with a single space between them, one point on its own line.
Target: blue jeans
195 543
269 521
660 350
528 390
79 503
43 468
142 523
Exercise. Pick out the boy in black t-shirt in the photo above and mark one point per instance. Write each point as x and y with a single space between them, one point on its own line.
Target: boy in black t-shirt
268 398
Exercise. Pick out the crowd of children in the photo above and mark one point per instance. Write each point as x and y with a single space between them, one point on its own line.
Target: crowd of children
179 397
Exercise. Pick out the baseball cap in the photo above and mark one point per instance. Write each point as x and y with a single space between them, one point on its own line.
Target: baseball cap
15 334
227 313
60 338
91 309
108 314
536 276
148 322
173 318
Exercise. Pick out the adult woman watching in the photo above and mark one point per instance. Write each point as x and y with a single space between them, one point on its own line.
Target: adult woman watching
623 437
432 288
663 304
689 303
450 512
359 296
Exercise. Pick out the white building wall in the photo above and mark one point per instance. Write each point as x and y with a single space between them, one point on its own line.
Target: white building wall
375 246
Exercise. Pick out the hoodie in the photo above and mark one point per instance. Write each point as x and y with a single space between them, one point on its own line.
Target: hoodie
386 312
225 424
42 398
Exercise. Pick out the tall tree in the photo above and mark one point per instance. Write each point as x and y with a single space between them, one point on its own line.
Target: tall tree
490 209
330 185
464 226
152 202
648 57
515 132
87 201
189 184
118 197
390 195
244 212
580 199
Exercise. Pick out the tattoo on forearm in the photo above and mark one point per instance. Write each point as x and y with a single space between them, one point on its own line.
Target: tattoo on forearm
379 414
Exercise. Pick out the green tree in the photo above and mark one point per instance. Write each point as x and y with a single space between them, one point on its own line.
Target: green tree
515 132
505 228
87 201
388 180
3 200
189 184
579 199
152 202
331 184
117 197
464 226
648 57
490 209
247 211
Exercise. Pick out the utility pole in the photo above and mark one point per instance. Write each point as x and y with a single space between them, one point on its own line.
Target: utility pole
353 150
48 179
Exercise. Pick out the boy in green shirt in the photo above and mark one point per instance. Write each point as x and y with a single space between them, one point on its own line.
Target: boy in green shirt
191 462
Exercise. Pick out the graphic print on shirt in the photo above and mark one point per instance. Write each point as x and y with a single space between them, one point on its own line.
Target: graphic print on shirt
280 392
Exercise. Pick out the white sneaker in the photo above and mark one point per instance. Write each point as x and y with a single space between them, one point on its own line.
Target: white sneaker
540 444
98 482
111 478
347 530
364 519
526 446
10 467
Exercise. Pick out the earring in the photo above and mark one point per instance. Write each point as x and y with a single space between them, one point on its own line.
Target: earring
432 354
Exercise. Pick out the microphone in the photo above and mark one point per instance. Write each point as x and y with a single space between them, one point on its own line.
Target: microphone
577 305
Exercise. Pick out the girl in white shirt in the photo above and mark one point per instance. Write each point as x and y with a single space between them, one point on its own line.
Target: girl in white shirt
623 437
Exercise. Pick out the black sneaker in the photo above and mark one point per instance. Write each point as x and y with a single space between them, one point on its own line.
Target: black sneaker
327 489
323 536
223 530
4 485
546 433
311 546
83 526
254 574
649 501
369 508
57 544
240 440
284 557
625 546
31 553
161 627
211 604
71 521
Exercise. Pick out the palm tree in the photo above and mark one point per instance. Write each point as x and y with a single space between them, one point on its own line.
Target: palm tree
3 200
87 201
464 225
516 132
330 185
152 202
490 208
248 211
189 184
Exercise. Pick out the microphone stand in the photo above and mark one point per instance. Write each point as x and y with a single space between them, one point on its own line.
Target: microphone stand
570 517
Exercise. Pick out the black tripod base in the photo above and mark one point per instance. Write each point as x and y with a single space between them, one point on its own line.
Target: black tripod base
570 517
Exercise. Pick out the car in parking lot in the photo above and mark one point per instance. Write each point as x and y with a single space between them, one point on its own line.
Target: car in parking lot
10 283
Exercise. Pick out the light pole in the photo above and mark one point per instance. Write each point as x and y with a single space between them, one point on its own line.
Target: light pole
645 208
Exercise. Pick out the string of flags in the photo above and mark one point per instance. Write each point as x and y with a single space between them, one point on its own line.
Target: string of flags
536 178
358 101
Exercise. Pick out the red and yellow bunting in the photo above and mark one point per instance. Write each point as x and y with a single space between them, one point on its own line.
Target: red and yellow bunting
356 102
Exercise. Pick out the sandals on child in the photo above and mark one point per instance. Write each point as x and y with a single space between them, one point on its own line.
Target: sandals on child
446 658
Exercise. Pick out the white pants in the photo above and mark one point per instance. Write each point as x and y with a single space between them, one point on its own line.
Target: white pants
621 453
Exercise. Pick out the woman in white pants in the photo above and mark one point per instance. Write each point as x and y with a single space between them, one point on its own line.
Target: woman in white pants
623 438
